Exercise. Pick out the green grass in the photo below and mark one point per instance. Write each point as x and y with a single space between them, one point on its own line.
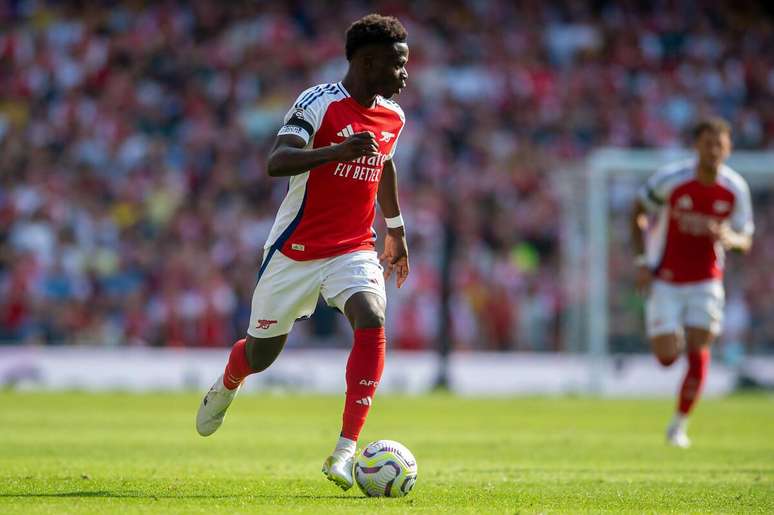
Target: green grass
81 453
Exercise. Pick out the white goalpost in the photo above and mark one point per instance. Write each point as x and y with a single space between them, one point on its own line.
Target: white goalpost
596 199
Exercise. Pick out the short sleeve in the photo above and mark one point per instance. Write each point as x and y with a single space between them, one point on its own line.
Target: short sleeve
656 190
741 219
393 106
395 145
304 117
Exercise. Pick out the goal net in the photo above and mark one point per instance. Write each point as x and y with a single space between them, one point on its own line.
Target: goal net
603 314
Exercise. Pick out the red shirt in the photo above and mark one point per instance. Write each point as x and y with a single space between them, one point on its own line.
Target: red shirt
329 210
680 247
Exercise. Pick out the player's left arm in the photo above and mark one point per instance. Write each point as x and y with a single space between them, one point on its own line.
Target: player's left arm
395 253
737 234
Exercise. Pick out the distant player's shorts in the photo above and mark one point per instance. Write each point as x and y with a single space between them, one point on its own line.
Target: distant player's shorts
671 307
288 290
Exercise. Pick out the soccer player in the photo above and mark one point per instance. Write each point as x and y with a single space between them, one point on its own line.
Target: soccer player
336 145
701 208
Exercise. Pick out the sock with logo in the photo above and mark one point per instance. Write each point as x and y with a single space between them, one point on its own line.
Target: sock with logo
698 365
364 370
237 367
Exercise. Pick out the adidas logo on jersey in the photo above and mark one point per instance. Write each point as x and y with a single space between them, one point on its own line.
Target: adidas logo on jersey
346 132
365 401
685 202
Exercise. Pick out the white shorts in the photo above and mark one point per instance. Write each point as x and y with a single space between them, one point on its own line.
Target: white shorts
288 290
671 307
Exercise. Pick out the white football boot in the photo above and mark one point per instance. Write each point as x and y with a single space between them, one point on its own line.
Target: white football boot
339 470
213 407
677 434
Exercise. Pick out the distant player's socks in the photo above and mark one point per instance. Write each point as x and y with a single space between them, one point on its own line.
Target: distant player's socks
698 365
364 371
695 376
237 367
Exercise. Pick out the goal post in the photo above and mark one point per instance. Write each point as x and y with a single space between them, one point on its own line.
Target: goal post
596 198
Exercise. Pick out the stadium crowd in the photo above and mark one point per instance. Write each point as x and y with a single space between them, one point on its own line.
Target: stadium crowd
133 136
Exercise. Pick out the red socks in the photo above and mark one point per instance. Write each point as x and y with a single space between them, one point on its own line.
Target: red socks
698 365
237 367
364 370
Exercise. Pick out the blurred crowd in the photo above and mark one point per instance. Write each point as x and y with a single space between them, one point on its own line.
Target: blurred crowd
134 201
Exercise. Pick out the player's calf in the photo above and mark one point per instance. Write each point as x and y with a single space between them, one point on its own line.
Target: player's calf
262 352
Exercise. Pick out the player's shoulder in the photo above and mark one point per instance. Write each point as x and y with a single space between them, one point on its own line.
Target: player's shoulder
391 105
732 179
678 168
320 95
675 172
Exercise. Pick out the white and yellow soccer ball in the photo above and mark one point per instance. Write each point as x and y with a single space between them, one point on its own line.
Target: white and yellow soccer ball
385 468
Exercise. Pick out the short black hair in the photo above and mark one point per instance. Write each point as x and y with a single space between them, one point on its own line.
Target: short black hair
713 124
374 29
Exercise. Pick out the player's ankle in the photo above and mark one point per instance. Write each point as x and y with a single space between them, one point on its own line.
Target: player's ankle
680 420
345 447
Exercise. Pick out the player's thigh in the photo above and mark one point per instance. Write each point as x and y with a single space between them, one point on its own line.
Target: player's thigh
286 290
663 309
356 273
704 303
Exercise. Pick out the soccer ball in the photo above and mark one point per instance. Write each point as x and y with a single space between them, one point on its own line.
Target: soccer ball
385 468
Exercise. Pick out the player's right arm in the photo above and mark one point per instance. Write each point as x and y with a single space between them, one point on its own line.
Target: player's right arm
638 225
292 153
290 157
650 198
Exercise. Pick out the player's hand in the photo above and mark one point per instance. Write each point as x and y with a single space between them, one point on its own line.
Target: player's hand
714 229
395 256
722 233
358 145
644 278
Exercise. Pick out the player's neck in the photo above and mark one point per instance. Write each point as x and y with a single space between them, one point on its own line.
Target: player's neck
356 90
707 174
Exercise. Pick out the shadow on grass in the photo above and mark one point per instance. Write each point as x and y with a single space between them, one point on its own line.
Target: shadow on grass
139 495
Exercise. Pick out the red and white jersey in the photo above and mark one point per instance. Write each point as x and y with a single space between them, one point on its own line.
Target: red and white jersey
329 210
680 249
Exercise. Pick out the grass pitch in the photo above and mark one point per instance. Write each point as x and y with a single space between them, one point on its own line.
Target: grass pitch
82 453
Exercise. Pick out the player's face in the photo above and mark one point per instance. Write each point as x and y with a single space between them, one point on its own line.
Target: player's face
388 69
713 147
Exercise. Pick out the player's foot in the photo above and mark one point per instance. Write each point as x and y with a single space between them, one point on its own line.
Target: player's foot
339 470
677 436
213 407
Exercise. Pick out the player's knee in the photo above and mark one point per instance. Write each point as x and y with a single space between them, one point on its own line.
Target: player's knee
666 360
370 318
